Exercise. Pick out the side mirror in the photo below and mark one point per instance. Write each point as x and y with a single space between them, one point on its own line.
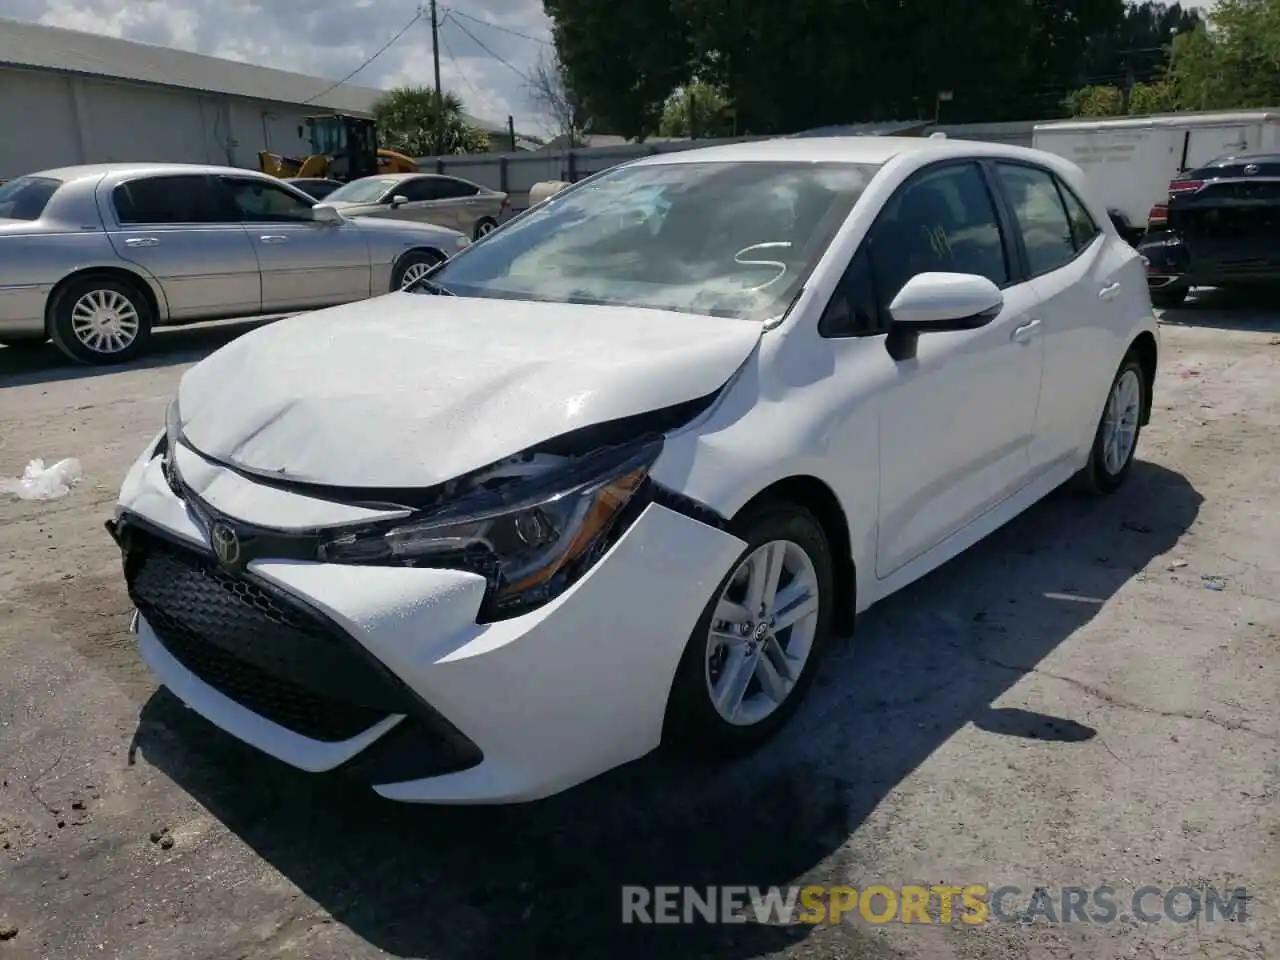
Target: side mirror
398 201
939 302
324 213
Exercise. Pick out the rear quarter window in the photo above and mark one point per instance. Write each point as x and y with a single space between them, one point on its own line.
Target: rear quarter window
26 197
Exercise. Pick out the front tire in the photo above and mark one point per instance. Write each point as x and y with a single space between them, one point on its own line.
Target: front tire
752 655
412 267
1116 439
100 320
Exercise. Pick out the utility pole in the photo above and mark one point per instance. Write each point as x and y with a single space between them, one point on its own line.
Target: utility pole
511 130
435 58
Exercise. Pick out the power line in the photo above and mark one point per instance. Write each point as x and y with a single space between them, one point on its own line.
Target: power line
486 23
516 70
379 52
484 101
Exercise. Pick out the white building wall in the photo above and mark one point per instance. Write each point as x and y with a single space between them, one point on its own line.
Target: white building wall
57 120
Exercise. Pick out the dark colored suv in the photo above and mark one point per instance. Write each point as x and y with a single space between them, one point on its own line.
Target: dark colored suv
1220 228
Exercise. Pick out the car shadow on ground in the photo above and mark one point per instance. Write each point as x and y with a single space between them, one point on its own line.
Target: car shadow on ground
545 879
1251 309
34 363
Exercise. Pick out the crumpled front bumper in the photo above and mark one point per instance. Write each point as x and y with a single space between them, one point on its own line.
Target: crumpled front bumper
543 701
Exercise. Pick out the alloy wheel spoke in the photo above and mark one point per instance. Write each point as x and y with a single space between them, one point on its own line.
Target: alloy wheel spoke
736 676
762 584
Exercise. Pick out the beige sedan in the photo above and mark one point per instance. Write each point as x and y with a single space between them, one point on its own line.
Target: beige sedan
425 197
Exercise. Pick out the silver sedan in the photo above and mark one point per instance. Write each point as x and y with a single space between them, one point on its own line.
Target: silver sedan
427 198
94 257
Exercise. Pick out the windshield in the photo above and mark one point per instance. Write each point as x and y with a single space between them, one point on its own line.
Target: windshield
364 190
26 197
725 239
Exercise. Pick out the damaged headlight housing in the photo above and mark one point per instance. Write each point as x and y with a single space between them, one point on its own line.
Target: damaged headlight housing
529 539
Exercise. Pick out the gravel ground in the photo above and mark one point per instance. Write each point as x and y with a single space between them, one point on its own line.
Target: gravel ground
1069 704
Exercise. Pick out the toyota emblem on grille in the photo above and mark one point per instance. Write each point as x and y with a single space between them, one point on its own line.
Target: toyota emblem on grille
226 545
1251 169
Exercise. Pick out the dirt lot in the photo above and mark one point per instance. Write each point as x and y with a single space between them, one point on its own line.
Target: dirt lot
1070 704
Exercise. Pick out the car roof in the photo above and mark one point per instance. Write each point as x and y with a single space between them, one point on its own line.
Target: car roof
83 171
848 149
1233 159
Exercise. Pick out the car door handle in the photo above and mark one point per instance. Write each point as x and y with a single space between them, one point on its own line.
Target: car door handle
273 238
1109 291
1025 332
141 241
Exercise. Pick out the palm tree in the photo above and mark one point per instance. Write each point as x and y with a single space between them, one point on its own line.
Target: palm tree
406 118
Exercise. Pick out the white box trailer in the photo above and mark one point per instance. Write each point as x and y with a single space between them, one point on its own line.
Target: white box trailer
1130 160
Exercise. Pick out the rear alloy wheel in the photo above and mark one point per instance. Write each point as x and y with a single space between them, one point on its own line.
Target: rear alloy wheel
413 266
485 226
1116 439
100 320
753 653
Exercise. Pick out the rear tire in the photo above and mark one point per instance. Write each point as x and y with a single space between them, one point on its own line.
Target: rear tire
100 320
782 534
1116 440
484 227
1166 298
412 267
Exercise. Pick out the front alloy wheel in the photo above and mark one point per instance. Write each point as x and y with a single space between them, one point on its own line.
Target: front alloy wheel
752 654
762 632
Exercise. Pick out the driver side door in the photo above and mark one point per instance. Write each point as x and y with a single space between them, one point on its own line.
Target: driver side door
954 422
304 263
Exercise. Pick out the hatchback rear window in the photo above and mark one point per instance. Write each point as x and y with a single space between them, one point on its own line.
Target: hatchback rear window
26 197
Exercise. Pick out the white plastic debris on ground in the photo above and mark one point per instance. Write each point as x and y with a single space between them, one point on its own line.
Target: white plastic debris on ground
39 482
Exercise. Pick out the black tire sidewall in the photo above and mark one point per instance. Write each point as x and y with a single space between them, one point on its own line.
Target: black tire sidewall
479 230
1100 478
692 722
64 338
408 260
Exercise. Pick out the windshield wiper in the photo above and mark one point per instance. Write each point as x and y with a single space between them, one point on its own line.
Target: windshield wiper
429 286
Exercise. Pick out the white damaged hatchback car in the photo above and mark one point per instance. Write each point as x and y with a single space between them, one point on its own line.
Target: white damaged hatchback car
616 474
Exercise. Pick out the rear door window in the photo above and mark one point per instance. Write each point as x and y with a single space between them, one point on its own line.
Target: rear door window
183 198
1042 219
446 188
26 197
1083 227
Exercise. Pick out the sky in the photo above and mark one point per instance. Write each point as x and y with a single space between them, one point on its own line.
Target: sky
330 38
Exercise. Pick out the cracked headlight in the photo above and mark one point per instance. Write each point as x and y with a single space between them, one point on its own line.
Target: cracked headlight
529 539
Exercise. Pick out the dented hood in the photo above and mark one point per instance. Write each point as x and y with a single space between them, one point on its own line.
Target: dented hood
408 390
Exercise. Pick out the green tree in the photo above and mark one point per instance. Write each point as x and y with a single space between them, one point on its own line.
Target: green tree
1138 45
621 59
406 118
696 110
1096 101
1234 63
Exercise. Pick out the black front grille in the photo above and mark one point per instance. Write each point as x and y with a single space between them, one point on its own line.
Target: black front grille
256 646
279 701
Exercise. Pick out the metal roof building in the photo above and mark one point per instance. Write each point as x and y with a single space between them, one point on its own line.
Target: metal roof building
90 98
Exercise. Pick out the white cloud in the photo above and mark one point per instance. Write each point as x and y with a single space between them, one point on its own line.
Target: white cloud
330 38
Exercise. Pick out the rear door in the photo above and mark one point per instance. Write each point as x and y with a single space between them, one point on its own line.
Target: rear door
173 227
1081 276
305 263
